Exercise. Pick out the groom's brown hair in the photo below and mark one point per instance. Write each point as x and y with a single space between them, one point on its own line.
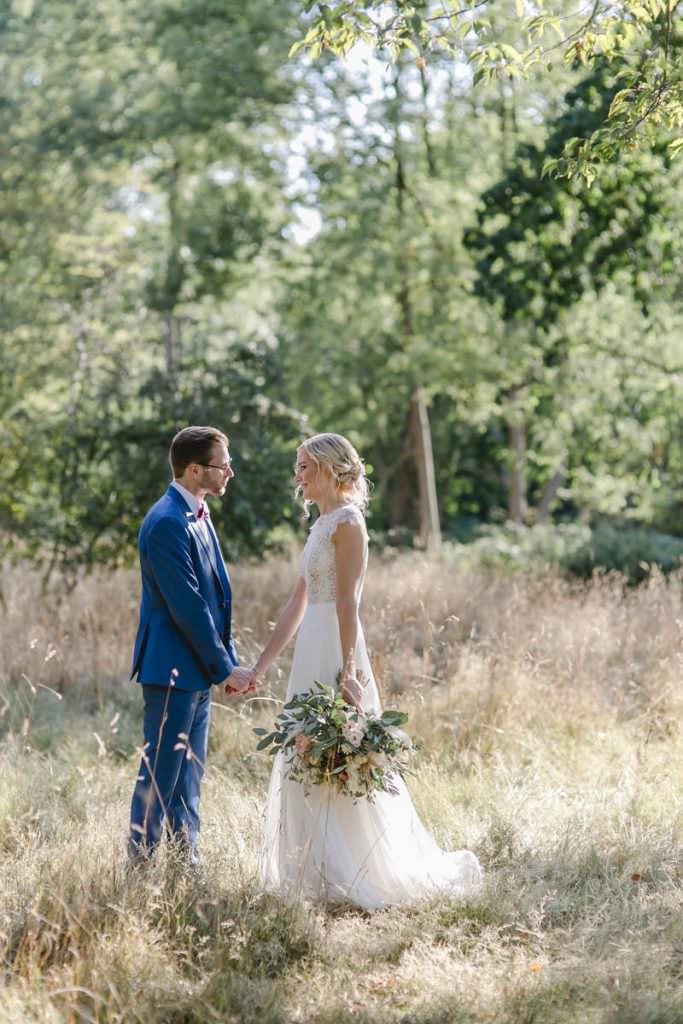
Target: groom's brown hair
193 444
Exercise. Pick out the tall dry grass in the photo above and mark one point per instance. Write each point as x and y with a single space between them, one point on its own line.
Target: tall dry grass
549 714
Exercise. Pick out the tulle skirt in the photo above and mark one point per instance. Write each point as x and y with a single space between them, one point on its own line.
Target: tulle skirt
322 845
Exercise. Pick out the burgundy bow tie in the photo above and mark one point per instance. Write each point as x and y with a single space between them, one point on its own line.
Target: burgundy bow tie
203 511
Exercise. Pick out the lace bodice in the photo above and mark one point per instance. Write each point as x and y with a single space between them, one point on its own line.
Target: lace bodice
318 556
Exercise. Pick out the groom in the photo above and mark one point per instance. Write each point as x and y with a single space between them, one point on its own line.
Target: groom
183 645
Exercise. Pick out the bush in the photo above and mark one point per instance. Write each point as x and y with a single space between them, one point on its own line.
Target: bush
577 549
633 552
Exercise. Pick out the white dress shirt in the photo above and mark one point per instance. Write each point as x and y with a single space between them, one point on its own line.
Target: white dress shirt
195 504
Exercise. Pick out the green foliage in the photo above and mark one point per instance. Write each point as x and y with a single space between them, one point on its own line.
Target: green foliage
155 165
514 547
327 742
578 275
380 301
540 243
86 489
577 549
141 195
633 552
640 38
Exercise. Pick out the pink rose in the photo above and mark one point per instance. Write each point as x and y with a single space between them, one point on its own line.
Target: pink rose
302 743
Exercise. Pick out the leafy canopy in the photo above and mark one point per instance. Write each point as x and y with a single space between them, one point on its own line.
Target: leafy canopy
642 37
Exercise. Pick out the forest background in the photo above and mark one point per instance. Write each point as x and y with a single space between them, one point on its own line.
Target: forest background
199 227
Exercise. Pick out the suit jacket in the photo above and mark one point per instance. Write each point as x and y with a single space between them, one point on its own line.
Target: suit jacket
186 603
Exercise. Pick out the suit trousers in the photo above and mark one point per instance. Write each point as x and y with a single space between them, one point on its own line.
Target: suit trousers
167 789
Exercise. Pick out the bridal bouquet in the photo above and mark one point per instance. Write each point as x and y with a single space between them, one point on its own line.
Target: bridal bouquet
326 740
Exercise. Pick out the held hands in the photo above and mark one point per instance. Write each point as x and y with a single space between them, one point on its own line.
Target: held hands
241 680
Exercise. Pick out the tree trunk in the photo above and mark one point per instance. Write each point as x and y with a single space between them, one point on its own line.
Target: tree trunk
507 109
429 149
419 430
430 528
549 492
517 506
174 274
401 496
401 499
172 340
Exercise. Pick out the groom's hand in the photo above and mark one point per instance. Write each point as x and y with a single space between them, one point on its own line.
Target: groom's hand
240 680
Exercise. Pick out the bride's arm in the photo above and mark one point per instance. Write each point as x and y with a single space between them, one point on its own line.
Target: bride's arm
286 626
349 542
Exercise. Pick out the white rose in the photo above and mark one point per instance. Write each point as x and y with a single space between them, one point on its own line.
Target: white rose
353 733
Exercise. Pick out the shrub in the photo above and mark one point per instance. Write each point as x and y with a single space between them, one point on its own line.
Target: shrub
577 549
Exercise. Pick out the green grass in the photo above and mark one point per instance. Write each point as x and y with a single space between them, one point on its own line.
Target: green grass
550 718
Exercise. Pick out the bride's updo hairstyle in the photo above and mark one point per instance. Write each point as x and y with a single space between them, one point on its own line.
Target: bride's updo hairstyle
337 455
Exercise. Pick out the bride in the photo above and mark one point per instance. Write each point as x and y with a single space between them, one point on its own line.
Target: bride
321 844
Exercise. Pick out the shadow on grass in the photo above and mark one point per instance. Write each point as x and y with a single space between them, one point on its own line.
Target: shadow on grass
557 1000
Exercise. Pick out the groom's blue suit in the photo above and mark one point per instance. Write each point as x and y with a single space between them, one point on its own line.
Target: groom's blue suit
183 646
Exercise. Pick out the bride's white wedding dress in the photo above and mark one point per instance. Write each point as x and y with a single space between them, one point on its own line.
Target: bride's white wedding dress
322 844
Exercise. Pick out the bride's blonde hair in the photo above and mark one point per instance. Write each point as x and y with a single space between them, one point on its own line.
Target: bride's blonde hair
344 465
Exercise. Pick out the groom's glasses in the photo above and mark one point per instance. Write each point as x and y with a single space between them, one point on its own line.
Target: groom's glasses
225 468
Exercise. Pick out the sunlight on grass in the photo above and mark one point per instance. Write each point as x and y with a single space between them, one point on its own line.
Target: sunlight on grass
549 717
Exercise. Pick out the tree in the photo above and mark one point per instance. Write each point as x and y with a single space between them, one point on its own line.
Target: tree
639 37
143 147
542 245
377 310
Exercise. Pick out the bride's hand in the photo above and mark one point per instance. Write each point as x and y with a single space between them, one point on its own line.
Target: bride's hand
351 690
258 671
257 678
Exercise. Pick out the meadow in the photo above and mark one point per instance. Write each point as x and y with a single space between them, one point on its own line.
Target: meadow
549 713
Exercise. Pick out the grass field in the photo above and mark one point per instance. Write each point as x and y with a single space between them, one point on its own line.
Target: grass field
550 719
